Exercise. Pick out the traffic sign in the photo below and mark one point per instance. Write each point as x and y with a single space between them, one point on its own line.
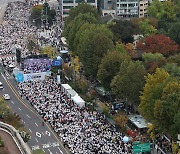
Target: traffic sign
141 148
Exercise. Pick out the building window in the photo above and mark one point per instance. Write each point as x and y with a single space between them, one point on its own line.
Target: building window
90 1
68 1
79 1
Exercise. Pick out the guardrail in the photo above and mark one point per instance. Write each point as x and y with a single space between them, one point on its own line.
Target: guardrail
23 147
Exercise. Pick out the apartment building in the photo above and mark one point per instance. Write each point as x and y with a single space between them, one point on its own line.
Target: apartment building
127 8
66 5
143 5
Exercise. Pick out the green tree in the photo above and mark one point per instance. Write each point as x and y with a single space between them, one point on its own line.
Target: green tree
85 26
129 81
36 14
123 30
152 57
152 91
173 69
110 66
82 8
174 32
93 44
162 10
50 51
167 109
4 109
146 28
76 25
48 13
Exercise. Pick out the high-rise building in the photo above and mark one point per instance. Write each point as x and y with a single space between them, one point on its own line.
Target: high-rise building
127 8
66 5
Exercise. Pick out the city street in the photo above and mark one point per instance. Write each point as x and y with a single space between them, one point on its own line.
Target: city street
3 4
42 137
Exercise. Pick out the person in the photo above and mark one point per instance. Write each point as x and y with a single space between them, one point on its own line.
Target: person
42 123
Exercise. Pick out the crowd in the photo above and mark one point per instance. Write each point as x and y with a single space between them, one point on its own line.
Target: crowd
36 65
81 130
14 31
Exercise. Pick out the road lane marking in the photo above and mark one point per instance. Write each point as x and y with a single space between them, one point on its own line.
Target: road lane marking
12 102
36 140
50 151
60 150
29 108
30 130
36 147
19 108
28 116
36 124
38 134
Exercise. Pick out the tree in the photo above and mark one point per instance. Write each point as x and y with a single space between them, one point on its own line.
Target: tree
158 44
149 57
82 8
4 109
50 51
173 69
162 10
36 14
152 91
110 66
76 25
167 109
129 81
48 14
93 44
123 30
174 32
146 28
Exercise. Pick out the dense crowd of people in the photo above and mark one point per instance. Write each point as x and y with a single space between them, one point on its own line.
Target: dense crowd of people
83 131
14 31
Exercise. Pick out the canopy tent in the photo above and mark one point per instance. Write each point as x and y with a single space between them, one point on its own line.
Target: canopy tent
71 93
65 87
63 39
63 51
78 100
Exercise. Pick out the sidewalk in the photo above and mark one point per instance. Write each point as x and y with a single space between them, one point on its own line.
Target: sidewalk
9 143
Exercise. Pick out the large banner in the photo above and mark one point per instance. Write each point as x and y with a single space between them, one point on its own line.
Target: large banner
36 76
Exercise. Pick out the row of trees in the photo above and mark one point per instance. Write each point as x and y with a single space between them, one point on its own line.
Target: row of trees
106 52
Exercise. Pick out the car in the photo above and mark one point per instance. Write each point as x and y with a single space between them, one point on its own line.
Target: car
1 85
6 96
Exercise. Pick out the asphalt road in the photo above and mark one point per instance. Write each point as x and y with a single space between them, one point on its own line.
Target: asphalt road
42 137
3 4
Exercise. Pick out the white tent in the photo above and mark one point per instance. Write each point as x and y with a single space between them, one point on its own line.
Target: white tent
78 100
65 87
71 93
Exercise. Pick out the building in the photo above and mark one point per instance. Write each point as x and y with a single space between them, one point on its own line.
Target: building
127 8
108 7
66 5
143 5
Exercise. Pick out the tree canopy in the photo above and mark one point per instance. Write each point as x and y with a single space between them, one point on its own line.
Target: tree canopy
82 8
75 25
159 44
110 66
123 30
94 43
129 81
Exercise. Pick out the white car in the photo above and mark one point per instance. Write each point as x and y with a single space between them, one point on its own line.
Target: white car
6 97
